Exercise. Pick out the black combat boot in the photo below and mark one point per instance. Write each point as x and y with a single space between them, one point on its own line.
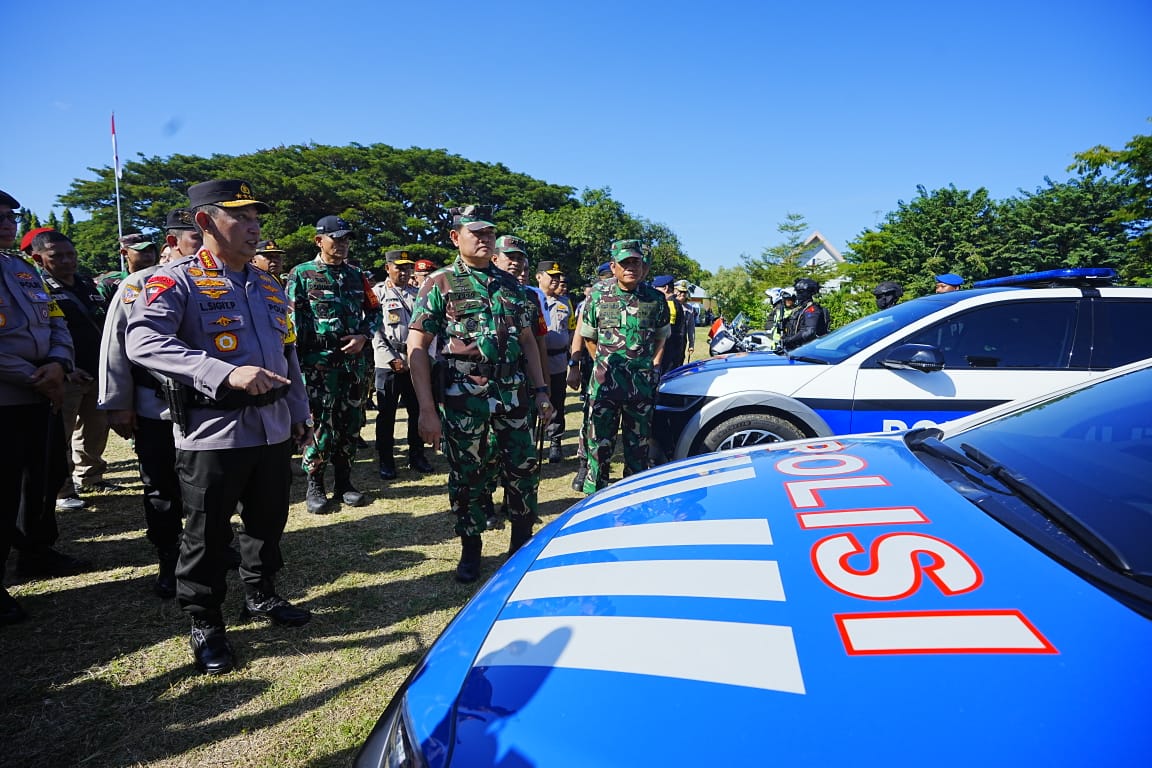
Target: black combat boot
521 532
493 521
418 461
210 647
555 453
262 602
344 489
581 476
468 570
316 499
165 584
387 468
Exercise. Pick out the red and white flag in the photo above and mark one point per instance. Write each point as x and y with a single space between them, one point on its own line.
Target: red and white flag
115 154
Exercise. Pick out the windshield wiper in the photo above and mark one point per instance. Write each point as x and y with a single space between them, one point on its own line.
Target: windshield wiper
1040 501
806 359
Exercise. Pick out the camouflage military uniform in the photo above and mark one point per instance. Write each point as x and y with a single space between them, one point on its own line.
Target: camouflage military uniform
477 316
625 326
331 301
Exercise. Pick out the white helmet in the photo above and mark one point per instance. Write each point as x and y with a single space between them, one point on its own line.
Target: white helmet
772 296
787 293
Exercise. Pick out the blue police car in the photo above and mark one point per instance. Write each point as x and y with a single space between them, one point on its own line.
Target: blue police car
974 593
918 363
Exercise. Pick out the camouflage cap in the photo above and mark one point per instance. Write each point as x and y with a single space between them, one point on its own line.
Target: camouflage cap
511 244
474 217
626 249
136 241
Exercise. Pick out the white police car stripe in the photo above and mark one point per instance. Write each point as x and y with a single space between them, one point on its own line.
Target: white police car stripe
682 533
696 482
659 477
748 655
989 631
732 579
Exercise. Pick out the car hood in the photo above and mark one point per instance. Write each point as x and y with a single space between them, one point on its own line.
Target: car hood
794 604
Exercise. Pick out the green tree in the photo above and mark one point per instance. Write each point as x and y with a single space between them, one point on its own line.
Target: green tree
734 291
67 223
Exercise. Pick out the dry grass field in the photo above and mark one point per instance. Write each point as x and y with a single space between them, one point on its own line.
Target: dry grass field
101 674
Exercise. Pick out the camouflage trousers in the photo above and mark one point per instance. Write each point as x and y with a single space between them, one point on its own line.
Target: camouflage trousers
483 440
336 397
633 420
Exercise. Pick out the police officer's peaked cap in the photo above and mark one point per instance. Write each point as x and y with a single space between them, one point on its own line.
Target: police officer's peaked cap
399 257
682 285
949 278
474 217
548 268
8 200
333 226
226 193
268 246
179 218
511 244
661 281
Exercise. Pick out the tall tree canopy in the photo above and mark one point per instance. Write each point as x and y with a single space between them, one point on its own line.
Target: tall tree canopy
392 197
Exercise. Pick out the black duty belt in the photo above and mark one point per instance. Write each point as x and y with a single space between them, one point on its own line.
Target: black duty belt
142 378
487 370
234 399
560 351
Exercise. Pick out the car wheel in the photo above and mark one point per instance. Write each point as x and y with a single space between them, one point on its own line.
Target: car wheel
750 429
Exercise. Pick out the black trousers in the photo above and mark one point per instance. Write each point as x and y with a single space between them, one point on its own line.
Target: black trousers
397 389
211 484
32 471
557 390
163 509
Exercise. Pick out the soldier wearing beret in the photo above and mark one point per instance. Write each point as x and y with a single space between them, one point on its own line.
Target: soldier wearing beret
218 331
336 315
393 376
35 356
493 380
625 325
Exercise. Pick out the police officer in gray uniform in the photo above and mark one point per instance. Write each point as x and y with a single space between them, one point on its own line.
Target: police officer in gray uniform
137 410
35 355
218 329
393 377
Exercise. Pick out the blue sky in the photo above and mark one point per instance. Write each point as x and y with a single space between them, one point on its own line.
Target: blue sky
715 118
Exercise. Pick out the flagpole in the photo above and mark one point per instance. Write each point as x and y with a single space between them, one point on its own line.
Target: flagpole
116 178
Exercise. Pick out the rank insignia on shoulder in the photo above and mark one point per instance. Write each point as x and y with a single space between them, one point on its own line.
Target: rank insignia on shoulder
195 271
207 260
155 286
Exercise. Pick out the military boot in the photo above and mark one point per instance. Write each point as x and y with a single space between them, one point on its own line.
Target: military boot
468 569
210 647
493 521
581 476
555 453
348 494
521 532
316 498
262 602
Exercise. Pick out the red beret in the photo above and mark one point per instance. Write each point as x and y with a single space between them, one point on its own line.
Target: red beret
26 241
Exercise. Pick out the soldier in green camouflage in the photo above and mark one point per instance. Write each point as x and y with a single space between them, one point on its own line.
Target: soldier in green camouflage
336 314
624 324
491 381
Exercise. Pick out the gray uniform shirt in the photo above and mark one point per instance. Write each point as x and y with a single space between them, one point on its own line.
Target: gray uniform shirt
197 321
32 329
391 340
118 388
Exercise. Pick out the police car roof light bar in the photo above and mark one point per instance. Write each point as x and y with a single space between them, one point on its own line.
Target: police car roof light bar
1074 276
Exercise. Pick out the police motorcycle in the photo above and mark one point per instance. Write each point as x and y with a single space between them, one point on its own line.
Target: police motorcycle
724 338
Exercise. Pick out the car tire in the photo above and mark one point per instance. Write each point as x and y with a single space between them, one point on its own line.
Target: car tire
750 429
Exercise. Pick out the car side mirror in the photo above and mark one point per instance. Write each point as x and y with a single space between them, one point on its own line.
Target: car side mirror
914 357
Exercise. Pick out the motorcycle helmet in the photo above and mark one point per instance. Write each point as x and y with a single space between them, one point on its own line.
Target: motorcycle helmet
887 293
787 293
773 296
806 288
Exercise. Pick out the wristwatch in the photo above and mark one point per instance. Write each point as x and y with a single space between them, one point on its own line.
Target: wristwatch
540 390
573 363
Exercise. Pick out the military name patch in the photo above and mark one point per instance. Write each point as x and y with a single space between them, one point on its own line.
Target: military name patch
226 342
213 306
155 286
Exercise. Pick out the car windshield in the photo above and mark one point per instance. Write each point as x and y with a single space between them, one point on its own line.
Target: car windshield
1090 454
860 334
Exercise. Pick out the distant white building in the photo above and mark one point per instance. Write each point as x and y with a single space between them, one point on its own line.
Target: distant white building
818 252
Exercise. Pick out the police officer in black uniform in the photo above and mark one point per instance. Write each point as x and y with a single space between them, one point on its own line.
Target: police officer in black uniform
808 320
